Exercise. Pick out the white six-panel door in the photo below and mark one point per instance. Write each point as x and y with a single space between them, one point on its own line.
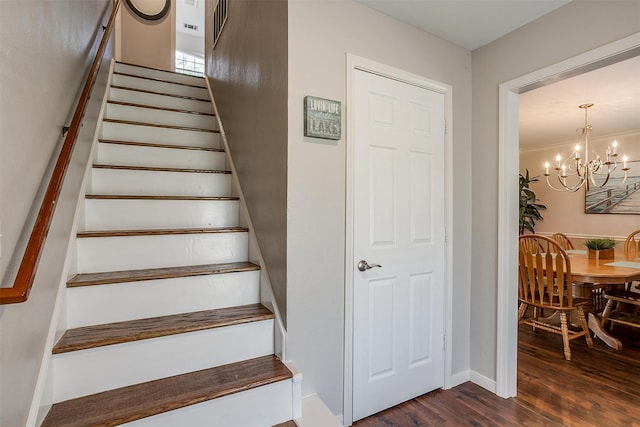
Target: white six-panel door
398 224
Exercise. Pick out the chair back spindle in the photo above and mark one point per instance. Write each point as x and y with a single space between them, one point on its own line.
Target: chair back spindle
545 273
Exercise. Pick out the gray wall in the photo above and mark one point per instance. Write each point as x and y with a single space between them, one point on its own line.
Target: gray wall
46 50
248 75
578 27
321 33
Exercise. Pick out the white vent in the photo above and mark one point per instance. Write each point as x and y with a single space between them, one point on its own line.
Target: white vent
191 27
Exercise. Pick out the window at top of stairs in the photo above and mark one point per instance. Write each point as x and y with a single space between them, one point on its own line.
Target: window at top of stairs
189 64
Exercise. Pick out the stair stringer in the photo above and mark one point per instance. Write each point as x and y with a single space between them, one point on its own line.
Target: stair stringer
267 296
43 394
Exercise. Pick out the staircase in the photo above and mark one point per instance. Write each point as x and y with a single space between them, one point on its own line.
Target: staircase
164 325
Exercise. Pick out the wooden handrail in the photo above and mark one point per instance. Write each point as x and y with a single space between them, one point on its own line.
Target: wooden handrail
19 292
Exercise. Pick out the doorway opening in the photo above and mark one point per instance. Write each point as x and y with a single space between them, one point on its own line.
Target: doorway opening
507 331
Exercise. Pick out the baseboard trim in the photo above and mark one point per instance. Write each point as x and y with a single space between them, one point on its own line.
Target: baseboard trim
460 378
482 381
316 414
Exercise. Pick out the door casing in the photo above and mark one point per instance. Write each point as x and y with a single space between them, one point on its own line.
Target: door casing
358 63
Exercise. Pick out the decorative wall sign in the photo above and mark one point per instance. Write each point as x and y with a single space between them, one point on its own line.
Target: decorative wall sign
322 118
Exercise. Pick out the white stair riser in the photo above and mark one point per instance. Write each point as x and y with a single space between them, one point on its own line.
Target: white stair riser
160 87
156 116
98 254
136 155
157 183
159 135
157 100
259 407
83 372
117 302
115 214
159 74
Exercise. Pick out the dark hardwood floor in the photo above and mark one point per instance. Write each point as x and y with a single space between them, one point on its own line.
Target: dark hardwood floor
599 387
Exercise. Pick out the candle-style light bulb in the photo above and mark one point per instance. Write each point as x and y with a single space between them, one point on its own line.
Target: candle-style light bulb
577 152
614 144
558 158
564 171
546 168
624 162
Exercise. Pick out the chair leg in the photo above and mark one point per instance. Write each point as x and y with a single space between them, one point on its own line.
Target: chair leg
565 335
585 327
607 312
522 310
535 317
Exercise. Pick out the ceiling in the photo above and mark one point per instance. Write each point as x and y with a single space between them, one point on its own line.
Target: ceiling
190 12
550 114
467 23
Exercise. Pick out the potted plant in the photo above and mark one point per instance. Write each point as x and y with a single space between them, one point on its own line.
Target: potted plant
529 208
601 248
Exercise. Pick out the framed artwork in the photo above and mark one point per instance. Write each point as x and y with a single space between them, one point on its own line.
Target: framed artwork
614 198
150 10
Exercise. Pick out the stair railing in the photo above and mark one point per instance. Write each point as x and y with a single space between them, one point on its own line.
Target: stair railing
19 291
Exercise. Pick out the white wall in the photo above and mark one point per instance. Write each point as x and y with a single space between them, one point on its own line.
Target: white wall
187 43
578 27
46 48
565 211
148 43
321 33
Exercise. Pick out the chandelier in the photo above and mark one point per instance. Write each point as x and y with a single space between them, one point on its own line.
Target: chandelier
578 169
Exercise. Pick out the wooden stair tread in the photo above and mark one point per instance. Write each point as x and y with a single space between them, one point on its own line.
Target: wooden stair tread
157 79
153 107
159 169
147 197
162 70
158 125
138 401
193 98
158 232
289 423
103 278
156 145
133 330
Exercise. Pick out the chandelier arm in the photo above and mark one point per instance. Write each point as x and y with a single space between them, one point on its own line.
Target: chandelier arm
565 187
595 184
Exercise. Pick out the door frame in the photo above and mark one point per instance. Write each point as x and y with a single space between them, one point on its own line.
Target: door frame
508 161
355 63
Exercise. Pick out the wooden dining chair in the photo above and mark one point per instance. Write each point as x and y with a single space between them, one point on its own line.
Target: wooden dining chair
544 283
563 241
626 296
632 245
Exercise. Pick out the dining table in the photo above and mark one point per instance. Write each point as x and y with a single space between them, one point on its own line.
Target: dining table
593 276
